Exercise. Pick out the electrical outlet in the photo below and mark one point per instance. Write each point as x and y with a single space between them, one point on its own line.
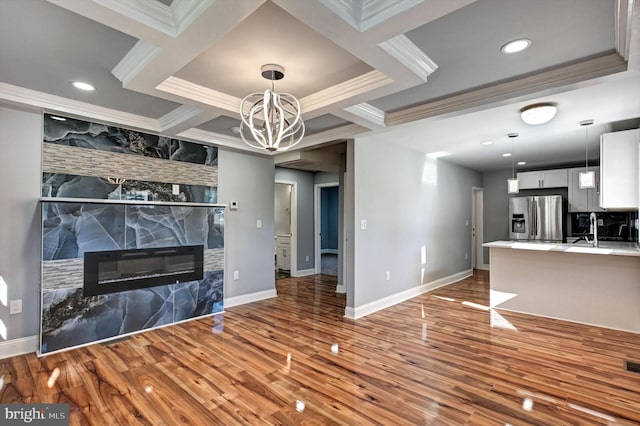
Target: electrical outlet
363 224
175 189
388 275
15 307
258 223
236 275
466 256
306 258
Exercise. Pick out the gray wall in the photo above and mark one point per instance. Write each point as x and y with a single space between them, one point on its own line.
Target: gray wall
304 230
249 180
20 173
325 177
496 207
412 204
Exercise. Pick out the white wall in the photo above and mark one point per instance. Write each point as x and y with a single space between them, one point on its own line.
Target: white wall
412 205
250 181
20 248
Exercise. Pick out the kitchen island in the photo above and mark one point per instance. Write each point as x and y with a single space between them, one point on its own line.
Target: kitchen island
590 285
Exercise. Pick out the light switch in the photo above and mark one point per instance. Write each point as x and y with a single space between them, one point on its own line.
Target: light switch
259 224
363 224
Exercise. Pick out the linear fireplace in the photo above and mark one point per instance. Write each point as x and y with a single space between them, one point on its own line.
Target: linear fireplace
121 270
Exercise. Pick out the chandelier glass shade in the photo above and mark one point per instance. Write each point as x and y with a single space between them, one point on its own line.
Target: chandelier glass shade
271 120
586 179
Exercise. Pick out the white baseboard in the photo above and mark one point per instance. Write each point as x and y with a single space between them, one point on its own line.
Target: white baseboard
340 288
303 272
21 346
483 267
248 298
386 302
328 251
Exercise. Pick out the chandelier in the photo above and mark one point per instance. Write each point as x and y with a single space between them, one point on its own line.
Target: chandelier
271 120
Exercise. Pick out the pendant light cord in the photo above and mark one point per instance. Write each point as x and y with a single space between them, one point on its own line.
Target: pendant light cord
586 159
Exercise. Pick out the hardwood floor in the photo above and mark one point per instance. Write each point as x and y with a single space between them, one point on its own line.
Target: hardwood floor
440 358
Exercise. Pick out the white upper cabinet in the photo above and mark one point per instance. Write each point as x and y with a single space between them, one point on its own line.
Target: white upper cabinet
558 178
619 172
583 200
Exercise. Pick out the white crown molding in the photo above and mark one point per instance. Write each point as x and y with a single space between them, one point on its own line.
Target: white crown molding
624 18
204 95
207 137
345 90
547 80
365 14
185 12
178 116
57 104
150 13
135 61
409 55
369 113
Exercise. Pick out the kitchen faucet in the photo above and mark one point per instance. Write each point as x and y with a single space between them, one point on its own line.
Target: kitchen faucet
593 229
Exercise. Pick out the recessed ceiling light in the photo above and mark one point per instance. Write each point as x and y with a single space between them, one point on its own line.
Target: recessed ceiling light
515 46
487 143
83 86
55 117
521 163
538 113
506 154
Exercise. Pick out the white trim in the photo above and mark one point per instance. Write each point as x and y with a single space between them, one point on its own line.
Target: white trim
343 91
21 346
328 251
409 55
365 15
386 302
178 116
623 25
370 113
303 272
195 92
294 224
243 299
483 267
477 223
135 61
317 243
152 14
340 288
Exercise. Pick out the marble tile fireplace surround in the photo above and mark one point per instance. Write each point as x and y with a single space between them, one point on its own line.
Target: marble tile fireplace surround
112 196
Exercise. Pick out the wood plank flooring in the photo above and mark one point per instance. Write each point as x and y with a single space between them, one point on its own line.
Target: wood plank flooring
294 359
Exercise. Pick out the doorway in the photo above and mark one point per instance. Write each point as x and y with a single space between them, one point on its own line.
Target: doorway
327 235
477 251
285 215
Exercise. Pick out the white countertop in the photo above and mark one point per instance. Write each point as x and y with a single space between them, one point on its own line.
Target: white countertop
617 248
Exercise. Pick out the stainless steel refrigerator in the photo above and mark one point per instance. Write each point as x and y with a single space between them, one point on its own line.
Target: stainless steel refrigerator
536 218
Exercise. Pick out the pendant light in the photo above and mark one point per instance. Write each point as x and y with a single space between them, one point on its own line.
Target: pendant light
513 185
586 179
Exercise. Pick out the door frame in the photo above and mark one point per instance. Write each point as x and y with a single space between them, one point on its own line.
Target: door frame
317 241
477 226
294 224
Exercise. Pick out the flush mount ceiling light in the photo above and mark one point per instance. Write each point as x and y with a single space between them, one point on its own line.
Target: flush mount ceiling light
506 154
521 163
586 179
271 120
486 143
83 86
538 113
515 46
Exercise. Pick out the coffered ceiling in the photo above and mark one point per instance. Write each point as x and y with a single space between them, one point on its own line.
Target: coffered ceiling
181 67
